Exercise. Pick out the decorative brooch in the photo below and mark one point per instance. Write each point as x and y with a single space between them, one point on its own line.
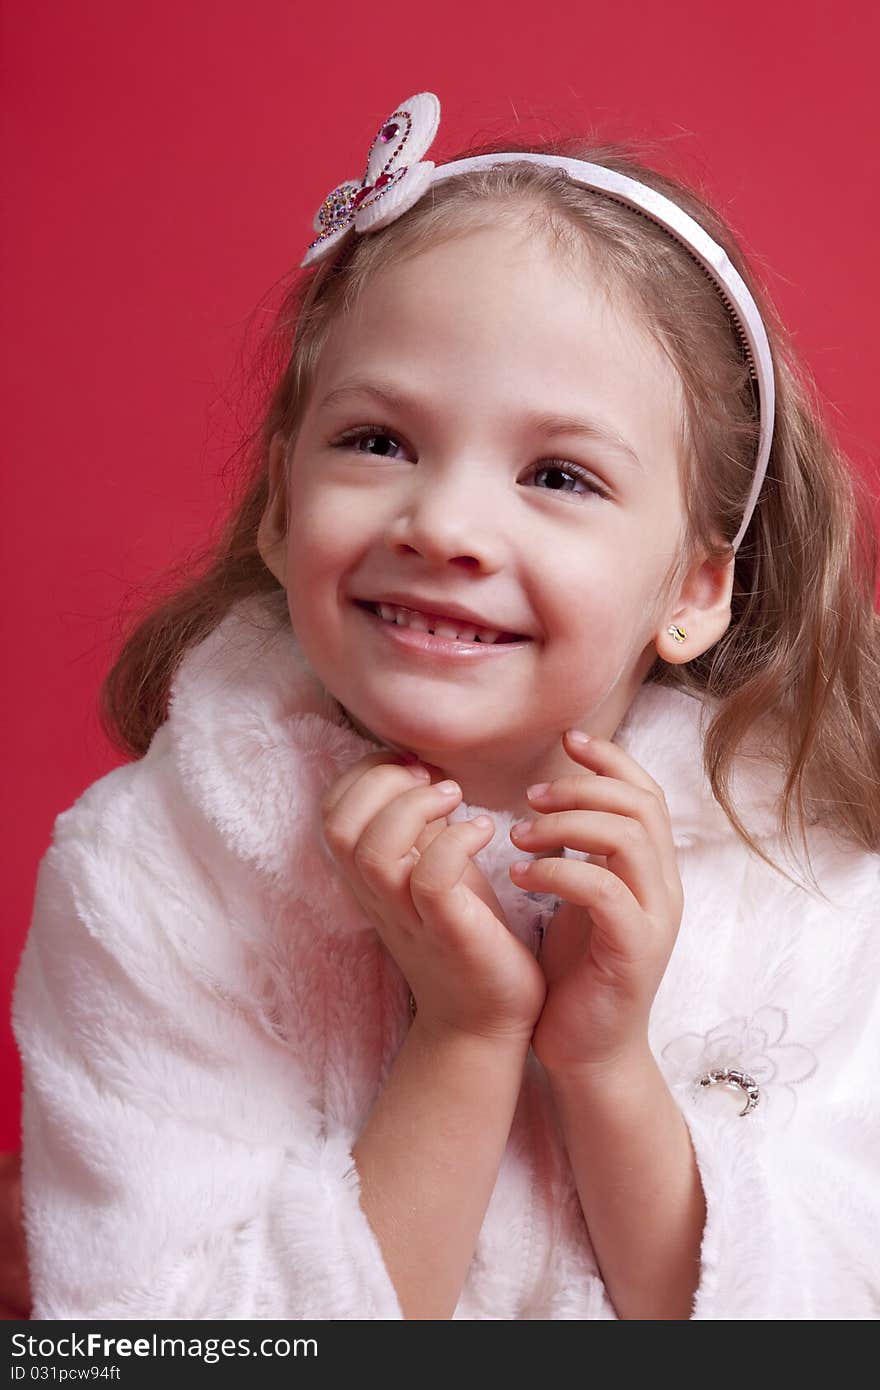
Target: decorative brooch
748 1053
389 186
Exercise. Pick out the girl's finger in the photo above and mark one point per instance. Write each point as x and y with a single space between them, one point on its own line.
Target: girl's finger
629 847
613 910
580 792
337 789
602 792
387 850
608 759
590 791
349 806
437 882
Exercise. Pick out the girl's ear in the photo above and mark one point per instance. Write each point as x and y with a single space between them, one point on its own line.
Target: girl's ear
701 609
272 531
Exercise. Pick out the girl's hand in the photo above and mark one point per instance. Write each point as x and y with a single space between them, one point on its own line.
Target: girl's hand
608 945
437 914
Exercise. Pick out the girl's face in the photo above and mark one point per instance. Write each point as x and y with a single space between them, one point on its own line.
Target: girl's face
461 492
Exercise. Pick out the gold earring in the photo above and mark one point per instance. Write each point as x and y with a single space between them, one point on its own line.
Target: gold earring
677 632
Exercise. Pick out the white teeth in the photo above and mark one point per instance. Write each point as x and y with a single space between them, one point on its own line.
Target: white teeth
408 617
416 620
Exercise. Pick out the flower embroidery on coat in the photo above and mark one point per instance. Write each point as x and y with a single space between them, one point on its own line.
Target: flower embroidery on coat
750 1050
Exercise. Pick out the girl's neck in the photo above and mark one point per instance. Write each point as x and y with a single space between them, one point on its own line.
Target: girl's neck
486 785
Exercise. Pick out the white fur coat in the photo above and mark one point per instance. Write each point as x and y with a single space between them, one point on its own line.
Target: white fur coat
205 1018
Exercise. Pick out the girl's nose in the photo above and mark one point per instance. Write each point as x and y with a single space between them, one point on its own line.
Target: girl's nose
449 522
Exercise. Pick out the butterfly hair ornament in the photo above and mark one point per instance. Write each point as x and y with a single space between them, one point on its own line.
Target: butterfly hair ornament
397 175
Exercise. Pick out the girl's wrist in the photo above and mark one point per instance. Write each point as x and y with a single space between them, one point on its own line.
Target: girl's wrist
601 1074
436 1033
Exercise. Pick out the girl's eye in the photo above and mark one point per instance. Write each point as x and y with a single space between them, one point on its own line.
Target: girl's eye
559 468
354 437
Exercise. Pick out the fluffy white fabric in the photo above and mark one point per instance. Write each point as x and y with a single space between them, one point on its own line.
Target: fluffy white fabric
205 1018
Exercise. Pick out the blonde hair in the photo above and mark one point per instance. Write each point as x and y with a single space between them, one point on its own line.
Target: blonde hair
802 646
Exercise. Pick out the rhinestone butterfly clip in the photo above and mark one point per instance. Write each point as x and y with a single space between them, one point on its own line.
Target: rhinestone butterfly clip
389 185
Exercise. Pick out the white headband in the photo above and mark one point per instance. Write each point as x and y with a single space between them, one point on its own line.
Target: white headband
388 188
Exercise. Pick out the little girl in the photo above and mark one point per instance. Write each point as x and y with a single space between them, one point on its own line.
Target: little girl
372 987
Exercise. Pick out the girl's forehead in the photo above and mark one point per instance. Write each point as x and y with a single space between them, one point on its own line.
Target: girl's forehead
549 341
489 327
477 294
497 267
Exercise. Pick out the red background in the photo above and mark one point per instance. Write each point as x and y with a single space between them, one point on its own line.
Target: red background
162 164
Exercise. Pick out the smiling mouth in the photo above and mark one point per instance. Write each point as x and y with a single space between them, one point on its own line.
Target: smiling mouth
435 620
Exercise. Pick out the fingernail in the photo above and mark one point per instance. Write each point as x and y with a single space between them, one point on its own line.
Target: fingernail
578 737
420 774
538 789
446 788
522 827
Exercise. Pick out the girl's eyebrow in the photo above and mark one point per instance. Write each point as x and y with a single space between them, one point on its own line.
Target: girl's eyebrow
533 421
